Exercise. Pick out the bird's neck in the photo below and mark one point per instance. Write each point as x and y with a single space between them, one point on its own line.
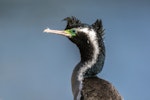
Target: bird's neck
92 60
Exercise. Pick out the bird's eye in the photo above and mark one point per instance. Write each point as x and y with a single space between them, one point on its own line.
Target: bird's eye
73 31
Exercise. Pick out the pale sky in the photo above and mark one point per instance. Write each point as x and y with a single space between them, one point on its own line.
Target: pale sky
38 66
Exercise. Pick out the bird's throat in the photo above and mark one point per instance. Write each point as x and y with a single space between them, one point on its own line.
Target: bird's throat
86 52
89 59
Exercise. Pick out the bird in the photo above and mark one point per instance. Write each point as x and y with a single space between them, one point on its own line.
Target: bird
86 85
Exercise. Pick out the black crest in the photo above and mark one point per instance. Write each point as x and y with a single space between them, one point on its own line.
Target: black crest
72 22
98 27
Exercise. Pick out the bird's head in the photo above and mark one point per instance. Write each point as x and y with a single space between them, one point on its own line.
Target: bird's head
89 39
80 33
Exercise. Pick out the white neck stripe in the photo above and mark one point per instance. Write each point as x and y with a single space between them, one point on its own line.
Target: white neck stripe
93 39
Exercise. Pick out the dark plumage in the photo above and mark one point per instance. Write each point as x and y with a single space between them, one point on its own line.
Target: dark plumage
89 39
95 88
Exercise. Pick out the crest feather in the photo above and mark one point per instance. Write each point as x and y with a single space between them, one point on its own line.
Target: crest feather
98 27
72 22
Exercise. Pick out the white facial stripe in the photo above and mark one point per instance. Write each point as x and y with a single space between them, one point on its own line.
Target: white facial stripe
93 40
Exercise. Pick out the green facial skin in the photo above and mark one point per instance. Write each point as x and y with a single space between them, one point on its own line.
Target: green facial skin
71 31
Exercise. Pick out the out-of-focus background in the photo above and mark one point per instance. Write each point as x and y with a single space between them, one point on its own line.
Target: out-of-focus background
38 66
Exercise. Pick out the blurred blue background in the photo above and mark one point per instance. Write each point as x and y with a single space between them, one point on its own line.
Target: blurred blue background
38 66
